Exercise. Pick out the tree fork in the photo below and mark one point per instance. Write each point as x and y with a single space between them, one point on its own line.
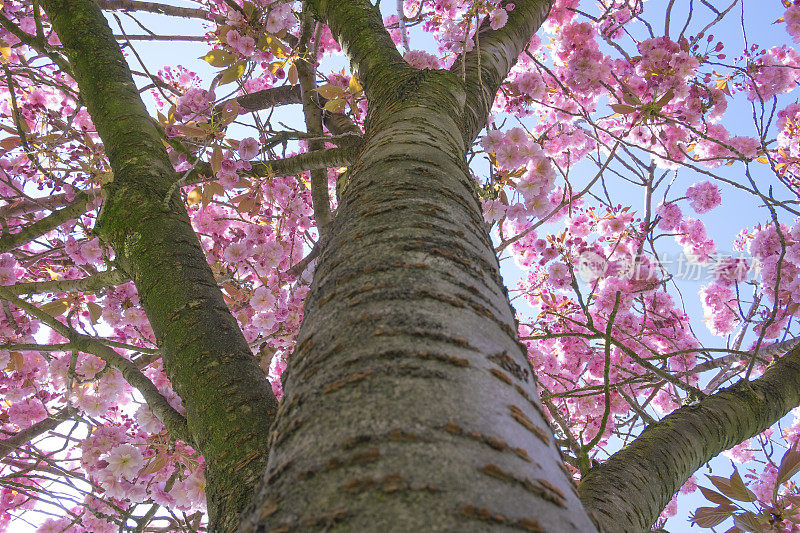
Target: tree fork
229 404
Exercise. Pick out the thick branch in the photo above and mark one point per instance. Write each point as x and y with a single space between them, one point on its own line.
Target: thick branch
28 434
313 118
358 27
337 123
332 157
627 492
9 241
206 357
161 9
764 354
267 98
488 64
109 278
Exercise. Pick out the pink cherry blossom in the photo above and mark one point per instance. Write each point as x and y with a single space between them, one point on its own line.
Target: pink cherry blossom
248 148
704 196
236 252
124 461
421 59
792 19
670 216
262 299
719 309
498 18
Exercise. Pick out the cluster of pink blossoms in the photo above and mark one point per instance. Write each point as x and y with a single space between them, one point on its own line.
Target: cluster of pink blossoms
128 457
792 19
703 197
773 73
514 150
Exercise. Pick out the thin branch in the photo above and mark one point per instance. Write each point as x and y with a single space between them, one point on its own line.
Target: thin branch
144 37
606 369
34 205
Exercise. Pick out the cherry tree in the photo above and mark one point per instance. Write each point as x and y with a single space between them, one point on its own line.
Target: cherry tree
215 320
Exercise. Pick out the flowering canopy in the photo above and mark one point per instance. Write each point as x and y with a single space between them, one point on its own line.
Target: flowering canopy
610 150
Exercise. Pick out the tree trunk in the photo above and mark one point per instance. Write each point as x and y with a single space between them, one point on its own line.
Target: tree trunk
228 401
409 402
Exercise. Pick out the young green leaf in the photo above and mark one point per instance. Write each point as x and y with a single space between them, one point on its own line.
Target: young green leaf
220 58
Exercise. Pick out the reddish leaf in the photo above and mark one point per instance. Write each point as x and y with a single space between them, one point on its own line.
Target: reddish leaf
292 75
246 205
664 100
748 522
630 98
733 488
10 143
237 199
714 496
157 463
94 311
723 484
216 159
742 492
192 130
623 109
16 361
711 516
214 189
790 464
